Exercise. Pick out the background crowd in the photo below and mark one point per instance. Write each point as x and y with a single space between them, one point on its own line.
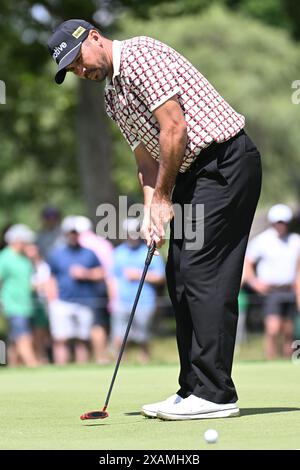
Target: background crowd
71 154
67 293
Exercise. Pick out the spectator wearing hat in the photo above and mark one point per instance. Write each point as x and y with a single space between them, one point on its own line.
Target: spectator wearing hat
16 294
271 265
103 249
51 235
129 261
75 274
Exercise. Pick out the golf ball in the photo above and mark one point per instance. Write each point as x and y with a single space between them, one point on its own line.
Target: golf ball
211 436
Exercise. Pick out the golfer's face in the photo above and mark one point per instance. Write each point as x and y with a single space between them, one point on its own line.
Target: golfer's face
91 62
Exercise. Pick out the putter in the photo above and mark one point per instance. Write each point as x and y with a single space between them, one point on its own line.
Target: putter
103 413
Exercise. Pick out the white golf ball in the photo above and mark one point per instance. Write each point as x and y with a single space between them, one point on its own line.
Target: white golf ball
211 436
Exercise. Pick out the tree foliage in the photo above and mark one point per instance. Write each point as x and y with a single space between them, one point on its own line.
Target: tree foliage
251 64
282 13
253 67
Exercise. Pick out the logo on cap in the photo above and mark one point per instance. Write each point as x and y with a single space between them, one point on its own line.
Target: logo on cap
59 49
78 32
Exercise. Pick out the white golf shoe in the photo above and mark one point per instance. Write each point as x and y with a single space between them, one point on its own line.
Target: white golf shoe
151 410
197 408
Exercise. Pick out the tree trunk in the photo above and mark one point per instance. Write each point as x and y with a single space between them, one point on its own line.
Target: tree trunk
94 147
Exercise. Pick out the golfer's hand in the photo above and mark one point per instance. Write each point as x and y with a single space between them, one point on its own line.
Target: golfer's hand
146 228
161 213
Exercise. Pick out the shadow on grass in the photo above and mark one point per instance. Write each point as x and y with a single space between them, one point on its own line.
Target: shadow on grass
96 424
101 423
108 424
244 411
261 411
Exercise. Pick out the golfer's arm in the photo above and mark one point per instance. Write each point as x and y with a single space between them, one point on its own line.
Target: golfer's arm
172 145
147 170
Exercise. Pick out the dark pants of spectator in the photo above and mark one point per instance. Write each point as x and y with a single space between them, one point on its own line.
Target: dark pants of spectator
204 283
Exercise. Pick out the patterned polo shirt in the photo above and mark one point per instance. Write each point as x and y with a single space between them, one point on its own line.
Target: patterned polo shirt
146 74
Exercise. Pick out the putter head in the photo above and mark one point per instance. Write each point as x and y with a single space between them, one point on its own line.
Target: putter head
94 415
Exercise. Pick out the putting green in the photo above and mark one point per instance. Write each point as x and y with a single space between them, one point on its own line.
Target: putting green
40 409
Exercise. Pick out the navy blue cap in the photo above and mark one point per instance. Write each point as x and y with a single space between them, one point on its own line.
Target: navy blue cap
50 212
65 42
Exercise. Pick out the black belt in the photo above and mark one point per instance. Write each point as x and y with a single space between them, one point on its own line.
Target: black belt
207 152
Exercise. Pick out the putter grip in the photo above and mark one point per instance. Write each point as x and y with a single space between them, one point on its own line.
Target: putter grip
150 253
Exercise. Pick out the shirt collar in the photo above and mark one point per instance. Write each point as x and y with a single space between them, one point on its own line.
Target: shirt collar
116 52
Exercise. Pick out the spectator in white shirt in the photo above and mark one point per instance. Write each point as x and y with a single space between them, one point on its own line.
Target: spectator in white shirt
271 266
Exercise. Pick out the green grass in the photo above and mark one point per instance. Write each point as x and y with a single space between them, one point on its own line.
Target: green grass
164 350
40 409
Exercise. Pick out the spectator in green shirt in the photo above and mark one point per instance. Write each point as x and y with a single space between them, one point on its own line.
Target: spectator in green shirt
16 294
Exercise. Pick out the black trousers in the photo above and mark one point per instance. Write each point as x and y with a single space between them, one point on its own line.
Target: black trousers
203 283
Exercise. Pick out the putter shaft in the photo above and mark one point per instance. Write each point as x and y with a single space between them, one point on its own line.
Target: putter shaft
150 254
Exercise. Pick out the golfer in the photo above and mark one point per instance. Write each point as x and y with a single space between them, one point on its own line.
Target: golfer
190 149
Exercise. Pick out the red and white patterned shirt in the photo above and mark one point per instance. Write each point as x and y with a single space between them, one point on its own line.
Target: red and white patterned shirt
146 74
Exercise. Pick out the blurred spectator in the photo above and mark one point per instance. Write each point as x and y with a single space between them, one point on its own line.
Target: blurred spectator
129 262
271 270
40 281
103 249
73 295
50 236
16 294
3 243
241 332
89 239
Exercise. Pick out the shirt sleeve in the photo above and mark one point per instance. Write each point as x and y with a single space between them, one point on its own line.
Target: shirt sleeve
43 272
153 75
298 237
56 261
94 262
51 261
254 250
